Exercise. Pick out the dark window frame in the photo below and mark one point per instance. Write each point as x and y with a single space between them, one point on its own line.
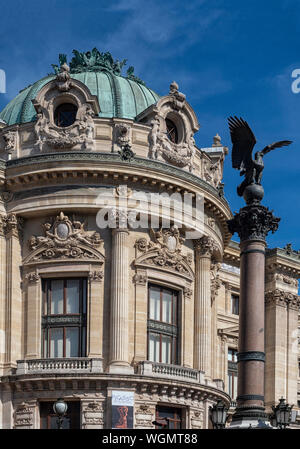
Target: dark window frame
234 304
172 131
174 423
65 320
73 414
65 115
163 328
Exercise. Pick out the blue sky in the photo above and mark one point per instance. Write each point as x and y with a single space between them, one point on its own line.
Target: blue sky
229 57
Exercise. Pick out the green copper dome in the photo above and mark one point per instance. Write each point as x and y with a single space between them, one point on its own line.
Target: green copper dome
119 96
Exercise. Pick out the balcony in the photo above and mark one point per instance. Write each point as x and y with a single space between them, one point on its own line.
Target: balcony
176 372
59 366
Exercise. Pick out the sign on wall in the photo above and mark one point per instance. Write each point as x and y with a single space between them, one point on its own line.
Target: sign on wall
122 403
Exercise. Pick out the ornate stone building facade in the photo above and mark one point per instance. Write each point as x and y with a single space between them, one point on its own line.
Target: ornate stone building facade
87 310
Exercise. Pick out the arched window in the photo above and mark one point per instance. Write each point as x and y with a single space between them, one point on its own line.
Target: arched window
172 132
65 115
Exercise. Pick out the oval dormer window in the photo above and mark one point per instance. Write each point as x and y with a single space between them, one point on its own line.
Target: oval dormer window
65 115
172 132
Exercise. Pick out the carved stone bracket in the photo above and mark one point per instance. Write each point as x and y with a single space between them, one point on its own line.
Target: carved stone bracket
96 276
32 277
140 278
253 222
12 225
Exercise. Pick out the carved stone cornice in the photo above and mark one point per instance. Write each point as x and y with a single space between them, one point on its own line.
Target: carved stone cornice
205 246
253 223
283 299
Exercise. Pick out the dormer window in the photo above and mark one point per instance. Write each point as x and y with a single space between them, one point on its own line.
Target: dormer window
65 115
172 132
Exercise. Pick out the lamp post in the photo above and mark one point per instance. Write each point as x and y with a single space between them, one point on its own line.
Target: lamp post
60 408
282 414
218 415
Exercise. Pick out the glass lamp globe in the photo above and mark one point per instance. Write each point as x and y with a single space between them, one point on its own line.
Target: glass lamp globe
60 407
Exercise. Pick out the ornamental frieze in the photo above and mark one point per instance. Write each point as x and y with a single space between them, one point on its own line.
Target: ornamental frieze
283 299
164 250
64 239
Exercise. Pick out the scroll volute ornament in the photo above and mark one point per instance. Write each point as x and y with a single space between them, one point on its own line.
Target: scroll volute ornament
65 239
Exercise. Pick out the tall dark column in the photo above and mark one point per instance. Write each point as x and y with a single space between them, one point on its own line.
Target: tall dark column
252 223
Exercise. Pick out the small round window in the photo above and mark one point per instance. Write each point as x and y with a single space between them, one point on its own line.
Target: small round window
172 132
65 115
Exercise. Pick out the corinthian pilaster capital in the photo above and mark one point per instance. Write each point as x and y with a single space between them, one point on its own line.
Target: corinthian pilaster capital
205 246
282 298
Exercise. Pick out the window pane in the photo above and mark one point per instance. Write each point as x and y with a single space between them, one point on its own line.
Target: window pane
84 296
45 348
230 384
165 349
73 296
154 306
154 342
167 306
234 393
56 342
72 342
57 300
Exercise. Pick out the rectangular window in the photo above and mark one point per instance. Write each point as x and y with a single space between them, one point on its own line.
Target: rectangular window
162 325
64 318
168 418
232 373
235 304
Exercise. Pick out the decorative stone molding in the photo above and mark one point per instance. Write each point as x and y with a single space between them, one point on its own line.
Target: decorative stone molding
283 299
81 132
126 152
188 293
63 78
140 278
96 276
288 280
32 277
13 225
93 414
122 134
205 246
23 416
64 239
253 223
144 415
165 251
215 282
10 142
197 417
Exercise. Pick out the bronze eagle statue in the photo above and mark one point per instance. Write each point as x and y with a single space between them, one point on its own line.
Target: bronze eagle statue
243 141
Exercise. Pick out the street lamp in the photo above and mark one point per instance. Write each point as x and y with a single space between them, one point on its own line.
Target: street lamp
282 414
60 408
218 415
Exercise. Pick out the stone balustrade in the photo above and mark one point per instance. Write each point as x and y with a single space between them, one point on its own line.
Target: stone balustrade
63 365
177 372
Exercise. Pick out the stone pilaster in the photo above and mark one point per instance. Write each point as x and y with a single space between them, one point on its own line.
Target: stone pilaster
215 285
281 346
95 314
141 306
13 310
34 313
119 302
2 291
202 321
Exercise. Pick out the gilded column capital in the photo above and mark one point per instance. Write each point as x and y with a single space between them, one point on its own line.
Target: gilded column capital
205 246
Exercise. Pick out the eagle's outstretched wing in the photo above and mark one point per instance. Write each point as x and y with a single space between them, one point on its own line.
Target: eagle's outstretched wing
243 141
272 146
